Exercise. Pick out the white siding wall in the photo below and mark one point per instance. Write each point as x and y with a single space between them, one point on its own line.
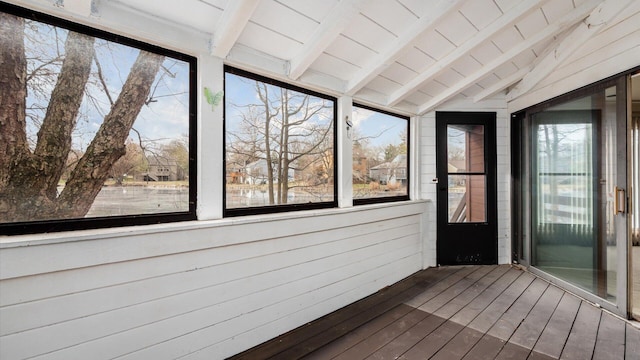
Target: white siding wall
428 172
208 289
614 50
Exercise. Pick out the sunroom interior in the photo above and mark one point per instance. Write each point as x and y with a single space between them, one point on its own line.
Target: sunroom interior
278 160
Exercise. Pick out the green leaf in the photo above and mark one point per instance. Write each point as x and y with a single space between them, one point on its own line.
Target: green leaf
213 99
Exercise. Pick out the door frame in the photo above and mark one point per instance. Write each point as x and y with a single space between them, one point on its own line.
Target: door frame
464 233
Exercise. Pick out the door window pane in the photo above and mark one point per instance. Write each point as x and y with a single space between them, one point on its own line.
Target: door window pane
467 198
466 167
465 148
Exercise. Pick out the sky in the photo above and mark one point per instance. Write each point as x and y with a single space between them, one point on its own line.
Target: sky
380 129
162 120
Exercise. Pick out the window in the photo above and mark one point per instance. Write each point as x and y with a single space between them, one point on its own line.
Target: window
279 146
97 130
380 157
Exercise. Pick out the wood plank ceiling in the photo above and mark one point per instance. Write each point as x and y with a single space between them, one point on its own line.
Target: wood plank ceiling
406 55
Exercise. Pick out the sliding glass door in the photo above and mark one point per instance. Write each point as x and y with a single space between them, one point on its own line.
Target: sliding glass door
573 179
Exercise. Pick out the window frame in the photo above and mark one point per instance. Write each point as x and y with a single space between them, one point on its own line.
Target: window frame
58 225
397 198
270 209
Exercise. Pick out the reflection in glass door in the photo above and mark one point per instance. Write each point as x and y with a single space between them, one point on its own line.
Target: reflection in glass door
578 197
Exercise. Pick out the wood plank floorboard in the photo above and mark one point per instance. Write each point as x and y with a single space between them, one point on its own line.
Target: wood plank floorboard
555 334
530 329
582 337
487 317
632 343
611 338
467 312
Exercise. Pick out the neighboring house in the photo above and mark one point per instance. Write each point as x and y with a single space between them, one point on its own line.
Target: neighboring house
390 172
163 170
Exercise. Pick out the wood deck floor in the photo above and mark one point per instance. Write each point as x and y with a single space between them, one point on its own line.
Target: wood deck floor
469 312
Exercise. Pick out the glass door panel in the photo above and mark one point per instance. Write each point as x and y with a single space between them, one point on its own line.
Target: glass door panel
577 173
466 173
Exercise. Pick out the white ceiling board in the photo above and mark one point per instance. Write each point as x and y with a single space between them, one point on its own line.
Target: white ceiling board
314 9
505 5
524 59
383 85
486 52
268 42
433 88
505 70
456 29
350 51
220 4
334 66
269 14
507 38
555 9
201 16
466 65
418 7
532 24
368 33
488 81
389 14
417 97
400 73
472 90
416 60
449 77
434 45
480 12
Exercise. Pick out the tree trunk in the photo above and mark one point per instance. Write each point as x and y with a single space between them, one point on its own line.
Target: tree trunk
28 188
13 94
109 143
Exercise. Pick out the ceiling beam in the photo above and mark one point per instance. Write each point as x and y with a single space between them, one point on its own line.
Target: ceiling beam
329 29
401 45
509 18
564 23
502 84
234 18
79 7
597 20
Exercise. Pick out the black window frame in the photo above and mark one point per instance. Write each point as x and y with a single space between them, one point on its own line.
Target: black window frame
57 225
270 209
388 199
